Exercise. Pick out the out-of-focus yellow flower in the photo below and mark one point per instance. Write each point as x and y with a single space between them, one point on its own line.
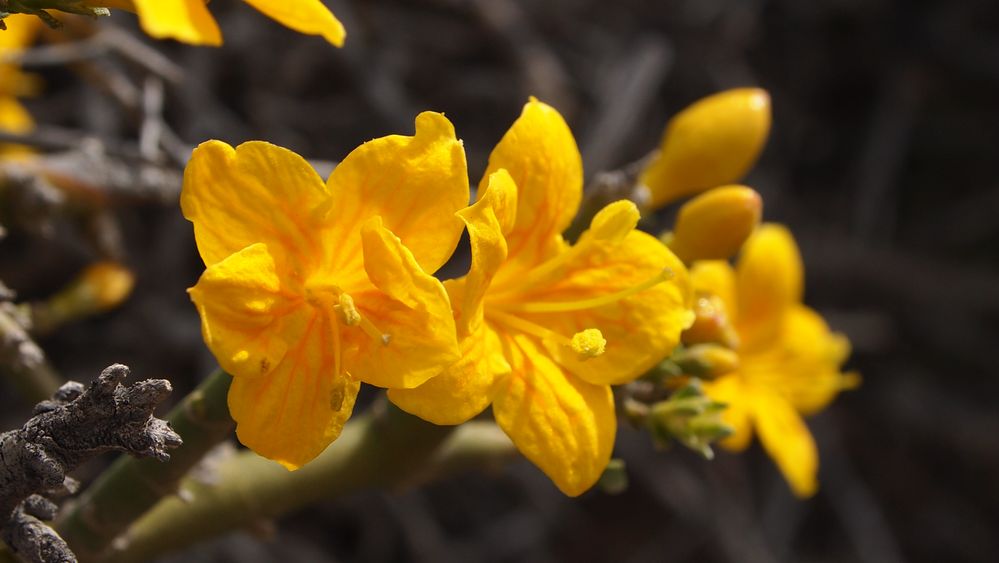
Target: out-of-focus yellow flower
713 142
546 328
14 117
789 361
312 287
713 225
189 21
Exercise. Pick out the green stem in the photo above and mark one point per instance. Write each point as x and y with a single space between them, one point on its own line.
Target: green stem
382 448
130 487
24 363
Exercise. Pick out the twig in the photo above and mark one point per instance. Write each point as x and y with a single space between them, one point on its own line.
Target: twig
77 424
130 487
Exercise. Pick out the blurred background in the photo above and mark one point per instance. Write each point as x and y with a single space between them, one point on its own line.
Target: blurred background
882 159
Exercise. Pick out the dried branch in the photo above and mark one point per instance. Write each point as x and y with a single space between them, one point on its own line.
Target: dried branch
77 424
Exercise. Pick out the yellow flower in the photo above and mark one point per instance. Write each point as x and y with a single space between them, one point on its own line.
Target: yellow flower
789 361
14 117
546 328
311 288
189 21
712 142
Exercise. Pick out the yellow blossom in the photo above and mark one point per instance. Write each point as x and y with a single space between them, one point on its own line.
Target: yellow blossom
789 361
712 142
312 287
190 21
545 328
14 117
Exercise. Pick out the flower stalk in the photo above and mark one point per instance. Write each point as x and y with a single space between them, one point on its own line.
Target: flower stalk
383 448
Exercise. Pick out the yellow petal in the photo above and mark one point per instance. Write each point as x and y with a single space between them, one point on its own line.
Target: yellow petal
292 414
247 320
713 142
21 31
14 118
786 438
416 184
187 21
464 389
412 310
486 222
716 277
541 156
258 192
562 424
628 286
812 358
769 279
714 225
310 17
730 390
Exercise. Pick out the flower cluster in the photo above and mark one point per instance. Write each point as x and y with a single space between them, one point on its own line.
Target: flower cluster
313 288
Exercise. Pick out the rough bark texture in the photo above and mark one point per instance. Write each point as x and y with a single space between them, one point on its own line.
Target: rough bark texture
77 424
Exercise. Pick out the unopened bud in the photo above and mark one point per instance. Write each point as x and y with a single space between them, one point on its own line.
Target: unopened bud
689 417
711 323
707 361
713 225
99 288
713 142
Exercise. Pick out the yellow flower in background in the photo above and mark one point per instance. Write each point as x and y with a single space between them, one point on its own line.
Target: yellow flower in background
546 328
789 361
713 142
312 287
14 117
190 21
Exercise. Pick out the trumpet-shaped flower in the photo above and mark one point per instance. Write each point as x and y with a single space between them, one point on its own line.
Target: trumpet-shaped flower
545 328
789 361
712 142
190 21
312 287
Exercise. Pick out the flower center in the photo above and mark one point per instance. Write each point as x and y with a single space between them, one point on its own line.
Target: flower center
340 307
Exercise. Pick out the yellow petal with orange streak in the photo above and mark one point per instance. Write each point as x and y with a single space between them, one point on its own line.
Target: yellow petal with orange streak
293 413
465 388
414 183
257 192
411 310
248 320
541 156
561 423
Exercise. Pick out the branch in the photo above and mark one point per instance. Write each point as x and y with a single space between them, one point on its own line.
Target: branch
75 425
22 360
131 486
384 448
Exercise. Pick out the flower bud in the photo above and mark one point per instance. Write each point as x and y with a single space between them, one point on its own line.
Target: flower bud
100 287
711 323
713 142
713 225
707 360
